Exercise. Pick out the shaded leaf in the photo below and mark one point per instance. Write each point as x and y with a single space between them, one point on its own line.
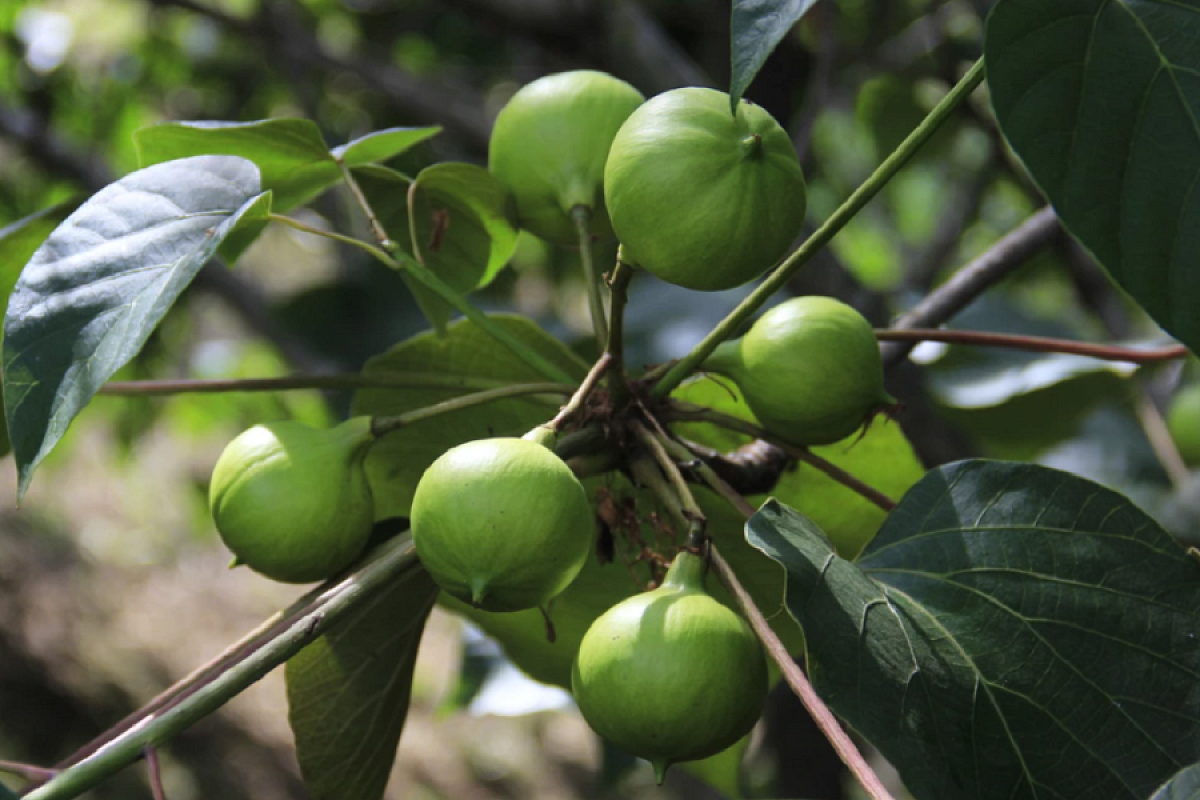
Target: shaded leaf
1012 632
757 26
99 285
6 793
1184 786
382 145
290 153
348 692
1101 100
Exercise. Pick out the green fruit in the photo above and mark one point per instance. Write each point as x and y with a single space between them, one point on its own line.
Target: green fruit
809 369
1183 421
671 675
549 145
700 197
292 502
501 523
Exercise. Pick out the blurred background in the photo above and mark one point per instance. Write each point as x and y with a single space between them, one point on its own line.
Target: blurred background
113 584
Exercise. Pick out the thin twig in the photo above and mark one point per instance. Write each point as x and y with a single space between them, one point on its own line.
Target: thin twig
581 394
798 681
150 754
1013 250
682 455
618 286
352 380
27 771
1040 344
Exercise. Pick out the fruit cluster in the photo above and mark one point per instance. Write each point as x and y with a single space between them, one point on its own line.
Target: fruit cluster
701 195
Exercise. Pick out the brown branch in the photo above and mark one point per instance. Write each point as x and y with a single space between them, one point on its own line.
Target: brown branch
1013 250
1040 344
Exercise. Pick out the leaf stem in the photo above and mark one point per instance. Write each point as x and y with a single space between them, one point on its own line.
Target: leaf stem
581 216
395 380
798 681
27 771
1040 344
392 561
384 425
681 369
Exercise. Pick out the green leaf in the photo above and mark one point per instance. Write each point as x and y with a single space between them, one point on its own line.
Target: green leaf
6 793
291 155
382 145
757 26
458 228
21 239
1101 100
1012 632
1185 785
99 285
348 691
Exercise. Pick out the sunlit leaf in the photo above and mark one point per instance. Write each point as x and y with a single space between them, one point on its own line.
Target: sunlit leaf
99 285
380 146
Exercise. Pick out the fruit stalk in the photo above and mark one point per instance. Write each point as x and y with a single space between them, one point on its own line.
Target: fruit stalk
618 286
666 381
689 509
581 216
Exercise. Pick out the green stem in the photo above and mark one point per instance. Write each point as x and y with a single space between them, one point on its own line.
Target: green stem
575 404
618 389
838 220
581 216
389 253
691 511
393 561
395 380
383 425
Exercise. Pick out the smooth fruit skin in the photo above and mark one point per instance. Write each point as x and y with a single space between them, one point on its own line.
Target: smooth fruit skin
501 523
671 675
809 369
549 145
1183 421
292 502
702 198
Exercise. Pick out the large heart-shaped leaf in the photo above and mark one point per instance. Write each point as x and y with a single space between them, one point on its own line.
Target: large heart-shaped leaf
99 285
348 691
1101 100
757 27
1012 632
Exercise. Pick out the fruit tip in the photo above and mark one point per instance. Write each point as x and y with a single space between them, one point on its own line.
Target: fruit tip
660 769
479 592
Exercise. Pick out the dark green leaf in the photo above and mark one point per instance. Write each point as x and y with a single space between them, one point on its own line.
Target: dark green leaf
348 692
757 27
382 145
1012 632
1184 786
253 218
1101 100
291 155
6 793
95 290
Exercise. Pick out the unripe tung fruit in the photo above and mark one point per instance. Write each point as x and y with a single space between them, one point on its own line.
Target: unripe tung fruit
501 523
700 197
1183 421
809 369
549 145
671 675
292 502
